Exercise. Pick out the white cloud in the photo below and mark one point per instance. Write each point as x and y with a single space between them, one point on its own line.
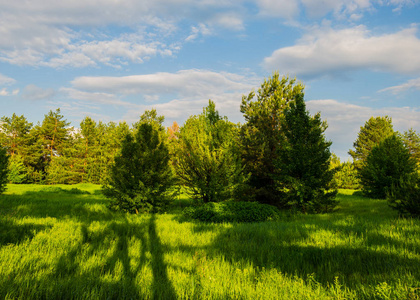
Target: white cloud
84 33
4 80
409 85
33 92
196 31
325 51
344 120
174 95
279 8
187 83
5 92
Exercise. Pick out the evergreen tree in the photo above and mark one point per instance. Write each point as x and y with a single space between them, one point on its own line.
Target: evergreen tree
386 165
375 130
4 158
303 161
261 134
207 160
140 178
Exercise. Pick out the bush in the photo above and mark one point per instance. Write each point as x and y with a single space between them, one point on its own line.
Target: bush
232 212
346 177
386 165
18 173
405 196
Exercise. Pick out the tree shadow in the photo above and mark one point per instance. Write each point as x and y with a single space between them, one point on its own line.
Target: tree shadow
13 233
294 253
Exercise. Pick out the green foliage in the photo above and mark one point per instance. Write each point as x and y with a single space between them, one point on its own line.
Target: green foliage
207 158
261 134
411 140
18 173
14 134
4 162
404 196
370 135
386 165
345 175
232 212
141 178
304 177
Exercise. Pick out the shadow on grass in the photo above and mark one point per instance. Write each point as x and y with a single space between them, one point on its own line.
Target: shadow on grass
69 280
295 253
13 233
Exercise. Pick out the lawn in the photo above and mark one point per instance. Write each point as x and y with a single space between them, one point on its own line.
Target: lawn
61 242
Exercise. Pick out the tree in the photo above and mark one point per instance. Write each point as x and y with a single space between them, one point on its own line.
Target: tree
207 158
4 158
14 134
261 134
140 178
304 176
386 165
405 196
411 140
375 130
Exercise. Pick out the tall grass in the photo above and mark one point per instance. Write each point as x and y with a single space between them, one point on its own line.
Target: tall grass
62 242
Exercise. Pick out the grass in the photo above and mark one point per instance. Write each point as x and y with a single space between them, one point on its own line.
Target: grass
61 242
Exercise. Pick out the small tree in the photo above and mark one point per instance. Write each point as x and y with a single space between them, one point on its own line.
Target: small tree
375 130
405 196
141 178
386 165
4 159
305 177
208 162
261 134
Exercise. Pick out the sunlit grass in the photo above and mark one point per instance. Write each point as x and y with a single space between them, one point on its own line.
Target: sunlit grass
65 244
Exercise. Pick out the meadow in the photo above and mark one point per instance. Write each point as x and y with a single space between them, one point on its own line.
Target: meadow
62 242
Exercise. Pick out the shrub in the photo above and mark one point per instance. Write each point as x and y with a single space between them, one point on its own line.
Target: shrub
232 212
386 165
18 173
405 196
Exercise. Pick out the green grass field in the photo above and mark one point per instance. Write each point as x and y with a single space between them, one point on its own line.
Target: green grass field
57 242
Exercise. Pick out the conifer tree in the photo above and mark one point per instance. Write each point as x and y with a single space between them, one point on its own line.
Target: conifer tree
386 165
207 158
140 178
304 174
261 134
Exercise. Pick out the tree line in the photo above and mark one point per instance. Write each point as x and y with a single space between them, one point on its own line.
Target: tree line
279 156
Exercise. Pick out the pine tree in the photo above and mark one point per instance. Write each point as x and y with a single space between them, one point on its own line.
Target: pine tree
261 134
140 178
207 158
305 177
386 165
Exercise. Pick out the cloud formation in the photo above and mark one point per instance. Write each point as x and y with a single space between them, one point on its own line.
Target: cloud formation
345 119
186 83
330 52
76 33
413 84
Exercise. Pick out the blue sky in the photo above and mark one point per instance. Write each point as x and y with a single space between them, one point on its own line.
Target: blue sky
111 60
